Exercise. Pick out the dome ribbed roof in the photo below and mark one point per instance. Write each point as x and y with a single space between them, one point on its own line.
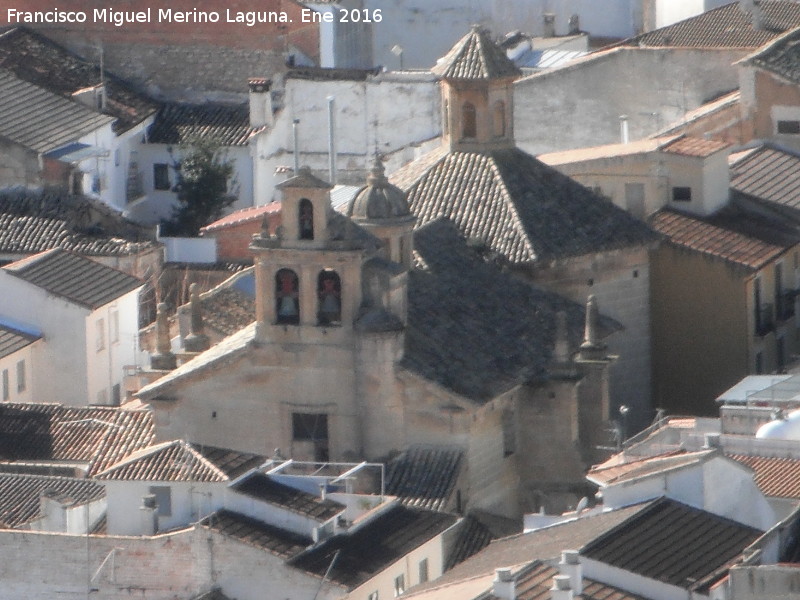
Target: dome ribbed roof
379 199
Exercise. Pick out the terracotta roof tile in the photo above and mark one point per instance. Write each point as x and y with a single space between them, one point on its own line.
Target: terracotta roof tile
476 56
716 238
168 461
724 27
692 146
245 215
263 487
20 495
71 276
255 533
424 477
227 125
646 466
776 477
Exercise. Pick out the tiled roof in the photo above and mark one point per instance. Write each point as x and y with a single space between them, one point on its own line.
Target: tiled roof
519 207
475 56
168 461
424 476
734 240
227 125
263 487
543 544
231 462
255 533
472 537
40 120
40 61
78 279
32 222
97 437
332 74
535 581
12 339
642 146
775 477
474 328
228 310
779 57
769 174
673 543
724 27
646 466
377 544
708 110
20 495
246 215
694 146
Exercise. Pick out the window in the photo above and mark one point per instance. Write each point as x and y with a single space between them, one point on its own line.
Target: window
163 496
681 194
399 585
469 123
423 570
310 427
499 119
114 326
306 219
789 127
6 387
634 199
759 363
329 296
161 176
287 298
373 596
100 342
21 376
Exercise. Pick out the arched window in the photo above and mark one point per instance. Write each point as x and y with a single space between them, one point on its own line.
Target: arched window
306 219
499 119
329 294
287 297
469 125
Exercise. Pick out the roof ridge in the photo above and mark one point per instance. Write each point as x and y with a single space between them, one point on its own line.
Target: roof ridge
134 456
217 471
511 203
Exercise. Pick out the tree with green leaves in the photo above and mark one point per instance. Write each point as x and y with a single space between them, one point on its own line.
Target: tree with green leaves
203 172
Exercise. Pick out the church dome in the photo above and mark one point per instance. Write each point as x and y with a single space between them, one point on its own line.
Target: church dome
379 199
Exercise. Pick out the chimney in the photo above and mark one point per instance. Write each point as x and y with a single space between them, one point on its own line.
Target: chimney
624 133
570 566
260 102
574 24
503 585
197 340
549 23
148 513
711 440
93 96
561 589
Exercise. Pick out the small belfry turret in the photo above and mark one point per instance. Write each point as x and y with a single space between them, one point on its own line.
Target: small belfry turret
477 94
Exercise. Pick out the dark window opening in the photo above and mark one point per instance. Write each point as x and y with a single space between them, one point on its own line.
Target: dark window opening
681 194
310 427
499 119
287 298
329 294
469 122
161 176
306 219
163 496
759 363
790 127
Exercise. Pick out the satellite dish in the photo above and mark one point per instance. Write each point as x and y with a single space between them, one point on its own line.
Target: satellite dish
584 502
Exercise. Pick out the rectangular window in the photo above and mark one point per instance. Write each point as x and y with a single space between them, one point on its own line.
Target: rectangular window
373 596
163 496
308 427
101 335
789 127
116 394
21 376
423 570
6 387
114 326
681 194
399 585
161 176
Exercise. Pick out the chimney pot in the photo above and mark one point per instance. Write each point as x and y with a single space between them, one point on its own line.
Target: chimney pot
561 589
570 566
503 585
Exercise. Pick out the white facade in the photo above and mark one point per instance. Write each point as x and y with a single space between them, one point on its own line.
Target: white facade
16 369
81 359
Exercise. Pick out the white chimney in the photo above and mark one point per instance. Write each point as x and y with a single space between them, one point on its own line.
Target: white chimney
624 132
503 585
148 513
711 440
561 589
571 567
260 102
549 22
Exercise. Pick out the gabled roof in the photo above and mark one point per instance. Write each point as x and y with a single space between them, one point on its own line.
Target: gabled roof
724 27
225 124
35 221
694 146
231 462
256 533
304 179
40 61
97 437
41 120
266 489
644 467
739 239
516 205
168 461
245 215
13 339
768 174
424 476
775 477
20 495
779 57
673 543
377 544
73 277
475 56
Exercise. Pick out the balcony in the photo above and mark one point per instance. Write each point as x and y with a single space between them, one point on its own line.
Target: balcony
765 320
784 305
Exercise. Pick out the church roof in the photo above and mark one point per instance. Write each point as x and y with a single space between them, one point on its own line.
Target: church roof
379 199
474 328
476 56
516 205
